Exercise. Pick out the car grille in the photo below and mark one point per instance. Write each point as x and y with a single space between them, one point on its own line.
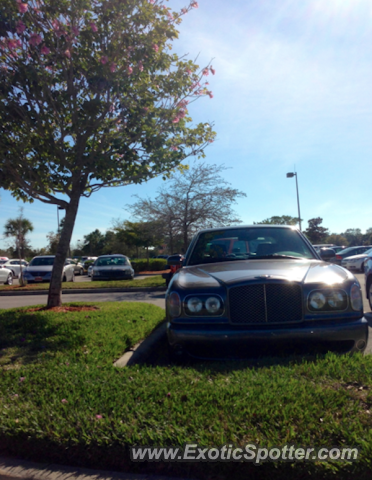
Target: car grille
114 273
38 274
265 303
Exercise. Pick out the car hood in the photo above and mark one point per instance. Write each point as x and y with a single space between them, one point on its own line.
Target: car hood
357 257
229 273
113 267
41 268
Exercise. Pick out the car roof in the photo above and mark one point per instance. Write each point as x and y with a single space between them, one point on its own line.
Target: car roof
113 255
237 227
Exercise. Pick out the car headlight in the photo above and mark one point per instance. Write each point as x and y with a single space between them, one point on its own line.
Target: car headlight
203 305
95 273
194 305
174 304
213 304
327 300
356 298
317 300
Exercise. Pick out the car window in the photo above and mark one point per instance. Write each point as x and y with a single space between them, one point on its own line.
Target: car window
14 262
111 261
41 261
248 243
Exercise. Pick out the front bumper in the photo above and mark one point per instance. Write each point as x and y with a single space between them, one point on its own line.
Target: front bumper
202 341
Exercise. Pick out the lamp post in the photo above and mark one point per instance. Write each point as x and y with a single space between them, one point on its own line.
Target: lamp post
290 175
58 208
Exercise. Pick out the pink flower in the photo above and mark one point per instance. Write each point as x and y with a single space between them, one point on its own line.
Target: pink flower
181 113
64 400
99 417
155 47
15 395
188 71
22 7
206 72
152 1
130 70
75 31
210 94
67 53
45 50
176 120
140 66
170 16
183 103
112 67
173 147
212 70
14 44
55 24
195 5
22 379
184 11
21 27
93 27
35 39
168 394
104 60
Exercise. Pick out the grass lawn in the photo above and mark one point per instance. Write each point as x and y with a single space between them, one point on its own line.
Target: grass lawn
62 401
151 281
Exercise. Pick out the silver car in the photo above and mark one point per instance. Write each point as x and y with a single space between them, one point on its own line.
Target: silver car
40 270
112 267
356 263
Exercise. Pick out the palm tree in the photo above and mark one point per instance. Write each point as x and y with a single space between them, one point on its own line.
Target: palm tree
18 228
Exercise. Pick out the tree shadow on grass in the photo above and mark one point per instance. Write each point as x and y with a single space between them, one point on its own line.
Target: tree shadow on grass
253 357
23 336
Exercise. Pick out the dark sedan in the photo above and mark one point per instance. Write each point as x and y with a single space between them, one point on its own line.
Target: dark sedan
112 267
243 287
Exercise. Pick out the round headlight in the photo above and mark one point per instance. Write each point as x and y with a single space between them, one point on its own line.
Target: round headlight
194 304
356 298
336 300
213 304
317 300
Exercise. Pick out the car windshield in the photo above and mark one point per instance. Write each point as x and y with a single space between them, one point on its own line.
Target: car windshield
111 262
248 243
41 261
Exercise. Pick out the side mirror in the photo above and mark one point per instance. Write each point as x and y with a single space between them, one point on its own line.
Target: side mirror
175 260
326 254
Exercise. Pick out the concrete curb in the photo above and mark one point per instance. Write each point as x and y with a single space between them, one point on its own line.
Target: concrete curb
12 469
142 350
86 290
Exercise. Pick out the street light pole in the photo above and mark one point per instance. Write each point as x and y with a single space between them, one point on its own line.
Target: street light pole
290 175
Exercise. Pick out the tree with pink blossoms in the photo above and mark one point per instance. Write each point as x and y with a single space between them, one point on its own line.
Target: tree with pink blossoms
91 97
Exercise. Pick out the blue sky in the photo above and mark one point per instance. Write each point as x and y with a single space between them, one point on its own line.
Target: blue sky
293 86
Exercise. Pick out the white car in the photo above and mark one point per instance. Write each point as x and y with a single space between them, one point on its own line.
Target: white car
355 263
14 265
6 276
40 270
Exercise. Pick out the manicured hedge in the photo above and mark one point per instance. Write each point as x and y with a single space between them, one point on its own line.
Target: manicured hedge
153 265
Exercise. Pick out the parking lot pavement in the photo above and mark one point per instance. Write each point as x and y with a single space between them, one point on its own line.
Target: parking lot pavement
83 278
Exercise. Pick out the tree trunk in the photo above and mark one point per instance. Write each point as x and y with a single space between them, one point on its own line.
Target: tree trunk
55 288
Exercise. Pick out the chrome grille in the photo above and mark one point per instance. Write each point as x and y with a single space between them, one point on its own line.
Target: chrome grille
265 303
